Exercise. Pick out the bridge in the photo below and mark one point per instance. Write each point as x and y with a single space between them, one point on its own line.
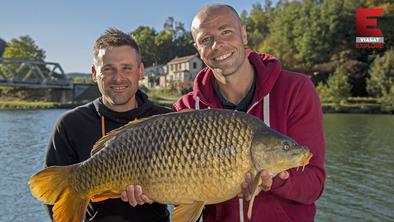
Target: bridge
36 74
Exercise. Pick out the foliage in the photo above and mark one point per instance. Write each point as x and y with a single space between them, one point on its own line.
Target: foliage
184 87
337 89
161 47
25 48
387 100
3 44
381 74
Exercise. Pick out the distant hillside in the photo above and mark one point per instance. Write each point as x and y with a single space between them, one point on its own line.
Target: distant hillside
78 77
78 74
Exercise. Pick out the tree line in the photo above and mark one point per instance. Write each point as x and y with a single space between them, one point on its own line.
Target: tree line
316 37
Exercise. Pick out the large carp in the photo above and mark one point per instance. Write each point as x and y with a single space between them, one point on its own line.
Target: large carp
188 159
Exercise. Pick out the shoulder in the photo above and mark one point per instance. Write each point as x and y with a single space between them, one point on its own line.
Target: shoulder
150 108
77 115
295 80
158 109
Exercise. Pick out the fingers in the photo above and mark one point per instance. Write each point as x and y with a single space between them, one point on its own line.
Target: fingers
146 199
246 186
134 196
284 175
266 180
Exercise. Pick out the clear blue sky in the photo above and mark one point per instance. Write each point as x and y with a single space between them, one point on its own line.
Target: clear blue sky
67 29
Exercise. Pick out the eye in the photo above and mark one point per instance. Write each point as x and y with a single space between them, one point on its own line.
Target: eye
286 146
206 40
226 32
107 70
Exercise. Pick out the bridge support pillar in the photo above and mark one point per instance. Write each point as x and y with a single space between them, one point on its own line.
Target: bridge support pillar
61 95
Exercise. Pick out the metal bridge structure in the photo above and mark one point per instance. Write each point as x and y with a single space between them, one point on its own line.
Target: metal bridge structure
37 74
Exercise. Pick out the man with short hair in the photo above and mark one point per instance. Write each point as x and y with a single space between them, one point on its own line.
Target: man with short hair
244 80
116 70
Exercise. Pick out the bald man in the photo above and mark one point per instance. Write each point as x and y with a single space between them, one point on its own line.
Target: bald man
240 79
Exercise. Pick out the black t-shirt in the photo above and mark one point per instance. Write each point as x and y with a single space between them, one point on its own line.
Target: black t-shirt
245 102
72 139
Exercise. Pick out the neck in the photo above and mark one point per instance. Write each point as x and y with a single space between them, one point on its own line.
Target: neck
236 86
130 105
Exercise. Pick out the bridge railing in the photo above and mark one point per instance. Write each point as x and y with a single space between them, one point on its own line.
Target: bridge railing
34 74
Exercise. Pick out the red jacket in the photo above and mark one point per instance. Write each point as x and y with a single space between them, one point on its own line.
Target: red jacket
294 110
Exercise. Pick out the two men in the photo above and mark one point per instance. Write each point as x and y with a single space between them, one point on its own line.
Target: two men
235 78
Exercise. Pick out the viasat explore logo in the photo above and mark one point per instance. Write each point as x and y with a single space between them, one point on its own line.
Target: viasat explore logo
368 35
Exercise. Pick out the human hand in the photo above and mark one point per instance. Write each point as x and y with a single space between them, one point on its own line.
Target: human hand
134 195
266 183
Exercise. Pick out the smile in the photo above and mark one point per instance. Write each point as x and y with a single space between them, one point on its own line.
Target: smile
118 88
223 57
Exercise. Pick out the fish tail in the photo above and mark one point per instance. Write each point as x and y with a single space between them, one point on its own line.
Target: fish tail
52 186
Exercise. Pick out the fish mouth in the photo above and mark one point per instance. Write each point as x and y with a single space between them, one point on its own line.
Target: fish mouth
305 160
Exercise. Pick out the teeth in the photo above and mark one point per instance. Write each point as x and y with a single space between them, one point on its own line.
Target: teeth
223 57
119 87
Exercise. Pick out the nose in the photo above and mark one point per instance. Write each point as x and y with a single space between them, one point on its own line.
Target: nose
218 43
116 75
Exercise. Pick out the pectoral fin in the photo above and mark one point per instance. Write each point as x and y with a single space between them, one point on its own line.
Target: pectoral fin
256 183
104 196
187 212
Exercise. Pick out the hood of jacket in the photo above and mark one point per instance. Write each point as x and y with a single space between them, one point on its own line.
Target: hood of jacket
267 70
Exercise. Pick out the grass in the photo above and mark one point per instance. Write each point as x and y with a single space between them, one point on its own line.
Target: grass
356 105
34 105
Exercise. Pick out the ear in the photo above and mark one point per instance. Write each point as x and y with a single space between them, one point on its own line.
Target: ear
141 71
94 73
244 35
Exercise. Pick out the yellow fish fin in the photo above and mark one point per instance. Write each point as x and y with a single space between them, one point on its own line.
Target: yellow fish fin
52 186
104 196
188 212
100 144
256 183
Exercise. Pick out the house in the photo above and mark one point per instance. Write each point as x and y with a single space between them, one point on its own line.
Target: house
181 69
151 78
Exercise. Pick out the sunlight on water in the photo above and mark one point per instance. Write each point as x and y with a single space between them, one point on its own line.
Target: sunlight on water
359 164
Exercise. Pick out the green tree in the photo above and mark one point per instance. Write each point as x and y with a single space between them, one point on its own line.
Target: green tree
381 74
3 44
24 47
387 100
337 89
161 47
145 38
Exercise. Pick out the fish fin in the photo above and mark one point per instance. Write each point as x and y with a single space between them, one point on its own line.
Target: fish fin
188 212
104 196
52 186
100 144
256 183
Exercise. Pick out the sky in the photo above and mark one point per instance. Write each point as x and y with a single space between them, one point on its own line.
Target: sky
67 29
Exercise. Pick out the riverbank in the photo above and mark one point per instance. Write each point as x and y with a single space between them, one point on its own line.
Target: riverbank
372 108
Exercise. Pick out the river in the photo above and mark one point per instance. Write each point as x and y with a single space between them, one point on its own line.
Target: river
359 164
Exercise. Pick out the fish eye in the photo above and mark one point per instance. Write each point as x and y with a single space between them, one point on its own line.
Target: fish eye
286 146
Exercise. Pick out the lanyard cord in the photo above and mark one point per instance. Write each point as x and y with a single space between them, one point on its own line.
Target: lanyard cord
102 126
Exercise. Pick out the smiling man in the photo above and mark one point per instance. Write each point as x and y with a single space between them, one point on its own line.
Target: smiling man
241 79
116 70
